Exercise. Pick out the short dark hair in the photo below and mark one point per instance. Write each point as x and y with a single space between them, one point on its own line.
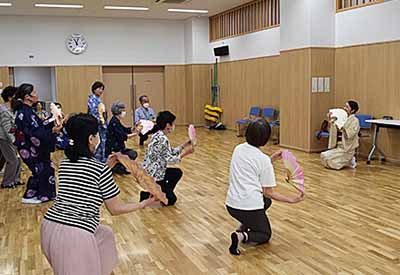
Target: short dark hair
258 133
353 105
141 98
164 118
8 92
97 85
79 127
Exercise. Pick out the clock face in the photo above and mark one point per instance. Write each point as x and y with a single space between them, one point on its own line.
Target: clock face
76 44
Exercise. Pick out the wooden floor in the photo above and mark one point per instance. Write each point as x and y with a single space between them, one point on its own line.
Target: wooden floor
348 224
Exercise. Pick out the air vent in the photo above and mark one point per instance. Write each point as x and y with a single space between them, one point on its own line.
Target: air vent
171 1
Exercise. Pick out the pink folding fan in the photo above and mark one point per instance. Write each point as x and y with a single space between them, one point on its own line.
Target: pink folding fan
294 171
192 134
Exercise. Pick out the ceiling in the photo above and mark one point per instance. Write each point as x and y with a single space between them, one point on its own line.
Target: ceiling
95 8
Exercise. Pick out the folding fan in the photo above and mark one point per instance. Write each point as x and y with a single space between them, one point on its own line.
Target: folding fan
57 114
144 180
192 134
101 110
147 125
295 174
339 116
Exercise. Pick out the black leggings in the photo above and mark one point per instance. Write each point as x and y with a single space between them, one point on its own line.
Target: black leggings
168 184
254 222
144 137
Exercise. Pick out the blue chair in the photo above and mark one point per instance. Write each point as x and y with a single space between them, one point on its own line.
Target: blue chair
253 114
269 114
364 125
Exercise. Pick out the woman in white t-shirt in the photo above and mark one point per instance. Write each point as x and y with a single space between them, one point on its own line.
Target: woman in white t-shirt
251 184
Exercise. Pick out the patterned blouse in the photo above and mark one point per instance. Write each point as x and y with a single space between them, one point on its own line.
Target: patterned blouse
159 154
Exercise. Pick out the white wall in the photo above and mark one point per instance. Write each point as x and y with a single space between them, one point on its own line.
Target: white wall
188 41
40 77
295 24
110 41
253 45
202 51
375 23
322 23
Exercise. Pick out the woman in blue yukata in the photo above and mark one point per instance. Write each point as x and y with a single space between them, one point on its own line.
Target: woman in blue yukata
97 109
35 140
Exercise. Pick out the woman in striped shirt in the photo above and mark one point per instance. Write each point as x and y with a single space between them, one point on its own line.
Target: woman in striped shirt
72 238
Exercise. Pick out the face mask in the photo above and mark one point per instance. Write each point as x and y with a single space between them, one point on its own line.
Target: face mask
97 145
172 129
123 114
146 105
33 99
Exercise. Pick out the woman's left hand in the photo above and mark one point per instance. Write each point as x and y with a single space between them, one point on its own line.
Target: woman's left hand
276 156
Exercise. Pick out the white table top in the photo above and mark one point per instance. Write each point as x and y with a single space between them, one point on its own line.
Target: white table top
384 121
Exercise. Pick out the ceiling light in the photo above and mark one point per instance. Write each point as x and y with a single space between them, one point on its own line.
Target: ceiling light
5 4
65 6
188 11
126 8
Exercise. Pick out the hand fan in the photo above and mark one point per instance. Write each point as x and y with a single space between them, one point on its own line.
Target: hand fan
192 134
147 126
144 180
339 116
101 109
57 114
294 171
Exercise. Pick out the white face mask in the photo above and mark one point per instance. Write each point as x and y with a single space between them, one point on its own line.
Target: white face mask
123 114
98 144
172 129
146 105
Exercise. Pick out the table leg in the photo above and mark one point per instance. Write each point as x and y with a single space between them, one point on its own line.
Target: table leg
374 142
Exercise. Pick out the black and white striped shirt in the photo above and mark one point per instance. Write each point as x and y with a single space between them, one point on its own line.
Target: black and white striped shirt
83 186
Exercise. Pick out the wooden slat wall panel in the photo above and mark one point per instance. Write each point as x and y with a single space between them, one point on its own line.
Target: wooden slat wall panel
344 5
369 74
322 65
4 76
74 85
246 83
176 93
251 17
295 101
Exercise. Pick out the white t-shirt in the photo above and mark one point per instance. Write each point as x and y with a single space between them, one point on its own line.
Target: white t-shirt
250 171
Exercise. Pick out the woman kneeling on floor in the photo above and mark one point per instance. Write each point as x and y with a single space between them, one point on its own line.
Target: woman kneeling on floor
72 239
251 187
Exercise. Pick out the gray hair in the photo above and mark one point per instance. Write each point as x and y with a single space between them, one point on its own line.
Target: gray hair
116 108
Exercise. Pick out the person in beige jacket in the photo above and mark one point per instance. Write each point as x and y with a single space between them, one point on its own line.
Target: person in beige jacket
342 154
12 171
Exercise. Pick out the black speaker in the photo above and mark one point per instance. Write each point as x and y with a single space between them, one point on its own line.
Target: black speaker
221 51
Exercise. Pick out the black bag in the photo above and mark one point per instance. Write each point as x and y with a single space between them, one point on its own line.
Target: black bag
324 128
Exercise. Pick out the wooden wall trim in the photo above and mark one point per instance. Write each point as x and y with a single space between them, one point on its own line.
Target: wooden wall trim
248 59
369 44
306 48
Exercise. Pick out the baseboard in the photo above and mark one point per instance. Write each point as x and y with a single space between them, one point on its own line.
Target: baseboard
294 148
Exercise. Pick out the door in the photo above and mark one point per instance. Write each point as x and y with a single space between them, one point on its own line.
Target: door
150 81
118 82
